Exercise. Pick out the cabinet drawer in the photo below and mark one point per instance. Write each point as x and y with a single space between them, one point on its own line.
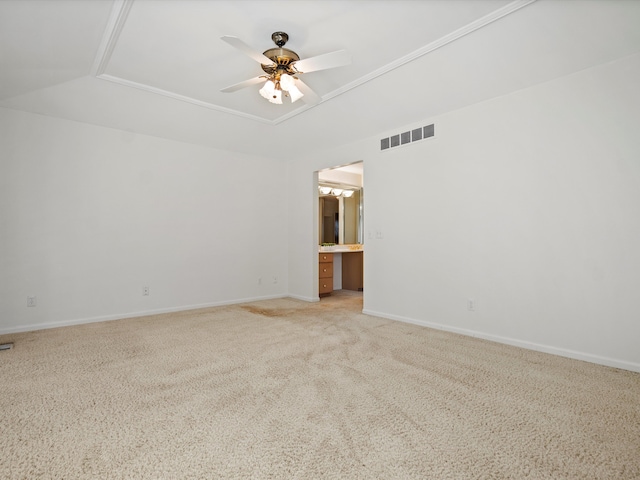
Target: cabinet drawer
325 285
325 270
326 257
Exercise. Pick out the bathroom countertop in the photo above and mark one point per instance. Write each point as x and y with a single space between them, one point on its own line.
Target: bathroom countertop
341 249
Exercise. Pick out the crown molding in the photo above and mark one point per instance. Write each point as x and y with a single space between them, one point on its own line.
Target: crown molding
182 98
441 42
119 13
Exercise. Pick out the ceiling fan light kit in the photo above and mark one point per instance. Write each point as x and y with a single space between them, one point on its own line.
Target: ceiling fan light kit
281 66
276 84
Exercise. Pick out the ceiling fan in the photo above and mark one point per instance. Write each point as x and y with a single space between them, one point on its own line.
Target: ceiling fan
282 67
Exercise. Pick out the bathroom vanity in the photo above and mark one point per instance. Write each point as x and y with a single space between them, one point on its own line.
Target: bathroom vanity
340 268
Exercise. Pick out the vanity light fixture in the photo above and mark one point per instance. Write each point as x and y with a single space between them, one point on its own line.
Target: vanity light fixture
336 190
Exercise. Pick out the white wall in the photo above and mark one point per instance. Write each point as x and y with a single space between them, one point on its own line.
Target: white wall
90 215
529 204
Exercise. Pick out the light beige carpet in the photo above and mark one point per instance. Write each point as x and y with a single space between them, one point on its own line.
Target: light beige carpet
287 389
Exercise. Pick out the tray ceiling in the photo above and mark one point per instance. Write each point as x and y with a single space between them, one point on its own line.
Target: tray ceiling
156 67
174 48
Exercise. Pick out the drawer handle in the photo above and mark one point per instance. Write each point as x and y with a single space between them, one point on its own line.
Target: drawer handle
324 270
324 286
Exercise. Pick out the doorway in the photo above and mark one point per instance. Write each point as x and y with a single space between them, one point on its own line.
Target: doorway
340 223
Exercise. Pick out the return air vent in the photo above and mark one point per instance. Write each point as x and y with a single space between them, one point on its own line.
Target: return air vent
407 137
6 346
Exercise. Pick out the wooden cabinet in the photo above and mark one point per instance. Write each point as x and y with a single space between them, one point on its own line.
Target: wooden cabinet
325 274
352 271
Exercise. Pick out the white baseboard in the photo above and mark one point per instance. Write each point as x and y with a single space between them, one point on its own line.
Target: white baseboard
305 299
587 357
121 316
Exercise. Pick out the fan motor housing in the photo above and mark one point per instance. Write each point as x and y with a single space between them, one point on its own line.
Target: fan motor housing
283 59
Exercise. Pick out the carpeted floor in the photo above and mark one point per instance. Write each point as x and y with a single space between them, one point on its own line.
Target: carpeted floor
287 389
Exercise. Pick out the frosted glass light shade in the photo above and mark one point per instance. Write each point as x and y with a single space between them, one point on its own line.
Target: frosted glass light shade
295 94
276 97
347 193
287 82
267 90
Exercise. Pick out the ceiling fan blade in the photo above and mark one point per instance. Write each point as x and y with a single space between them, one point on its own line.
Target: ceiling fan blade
322 62
246 83
310 97
246 49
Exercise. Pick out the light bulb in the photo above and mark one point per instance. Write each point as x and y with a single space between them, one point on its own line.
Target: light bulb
325 190
336 191
347 193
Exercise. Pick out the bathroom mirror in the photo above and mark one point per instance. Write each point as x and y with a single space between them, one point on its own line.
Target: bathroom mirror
341 205
341 219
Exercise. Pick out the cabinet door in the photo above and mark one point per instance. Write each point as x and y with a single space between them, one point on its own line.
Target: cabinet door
352 271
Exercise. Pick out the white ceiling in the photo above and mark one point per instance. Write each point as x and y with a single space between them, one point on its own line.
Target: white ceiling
157 66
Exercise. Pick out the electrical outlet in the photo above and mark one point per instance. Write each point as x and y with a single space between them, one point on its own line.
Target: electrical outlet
145 291
31 301
259 280
471 305
275 279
